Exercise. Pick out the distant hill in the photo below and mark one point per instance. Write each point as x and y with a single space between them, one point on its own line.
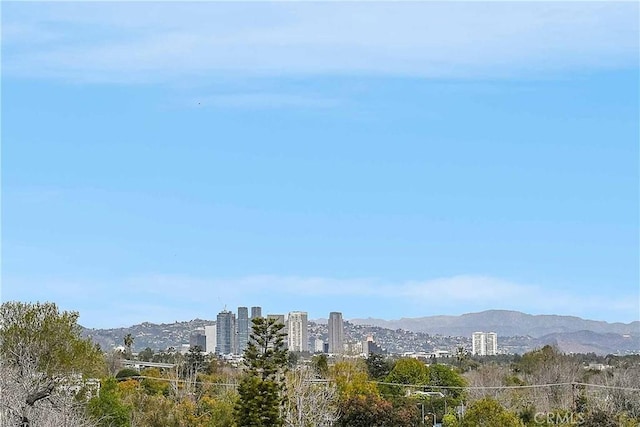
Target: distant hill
592 342
518 332
504 323
154 336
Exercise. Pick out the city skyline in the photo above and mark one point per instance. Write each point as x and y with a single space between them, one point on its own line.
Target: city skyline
390 160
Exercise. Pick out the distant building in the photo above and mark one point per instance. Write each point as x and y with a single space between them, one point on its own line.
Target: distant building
478 344
279 318
211 338
318 346
484 343
226 333
243 329
369 347
256 312
297 331
336 333
353 347
492 343
198 338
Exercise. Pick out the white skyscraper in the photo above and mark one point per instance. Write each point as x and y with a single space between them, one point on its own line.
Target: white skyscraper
484 343
492 343
210 334
297 331
479 344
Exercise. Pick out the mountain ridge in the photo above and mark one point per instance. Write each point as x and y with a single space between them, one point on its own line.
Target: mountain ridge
524 331
503 322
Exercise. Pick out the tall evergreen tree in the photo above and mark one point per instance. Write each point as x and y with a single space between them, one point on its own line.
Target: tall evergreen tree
261 389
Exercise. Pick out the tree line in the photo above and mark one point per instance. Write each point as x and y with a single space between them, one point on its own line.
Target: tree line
48 372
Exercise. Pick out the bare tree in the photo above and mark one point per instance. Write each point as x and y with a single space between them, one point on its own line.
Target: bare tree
52 404
310 402
621 394
42 357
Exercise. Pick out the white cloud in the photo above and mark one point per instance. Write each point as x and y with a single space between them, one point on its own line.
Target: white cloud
265 100
176 297
159 42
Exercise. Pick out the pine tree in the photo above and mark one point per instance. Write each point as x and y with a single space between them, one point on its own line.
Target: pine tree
261 389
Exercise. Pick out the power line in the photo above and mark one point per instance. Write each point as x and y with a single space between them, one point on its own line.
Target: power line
507 386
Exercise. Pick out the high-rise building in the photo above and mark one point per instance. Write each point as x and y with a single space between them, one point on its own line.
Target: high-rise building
336 333
297 335
484 343
279 318
256 312
226 333
479 344
492 343
370 347
243 329
211 338
198 339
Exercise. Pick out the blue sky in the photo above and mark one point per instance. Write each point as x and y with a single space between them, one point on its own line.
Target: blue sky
163 160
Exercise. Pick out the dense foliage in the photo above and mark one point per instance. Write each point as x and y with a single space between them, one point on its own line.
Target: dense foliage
47 369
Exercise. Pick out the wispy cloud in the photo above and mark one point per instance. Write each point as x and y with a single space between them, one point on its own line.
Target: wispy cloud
142 42
185 297
265 100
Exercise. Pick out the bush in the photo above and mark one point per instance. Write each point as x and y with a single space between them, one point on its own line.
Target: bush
126 373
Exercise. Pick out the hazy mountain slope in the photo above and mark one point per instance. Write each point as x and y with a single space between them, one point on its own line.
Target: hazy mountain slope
504 322
592 342
526 332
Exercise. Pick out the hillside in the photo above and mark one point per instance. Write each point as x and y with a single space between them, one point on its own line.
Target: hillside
592 342
518 333
154 336
504 322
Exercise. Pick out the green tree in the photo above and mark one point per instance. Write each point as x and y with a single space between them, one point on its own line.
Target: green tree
107 408
463 361
127 373
261 389
352 379
378 366
488 412
194 361
41 354
321 365
146 355
452 382
128 344
449 420
152 386
371 410
292 360
406 371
